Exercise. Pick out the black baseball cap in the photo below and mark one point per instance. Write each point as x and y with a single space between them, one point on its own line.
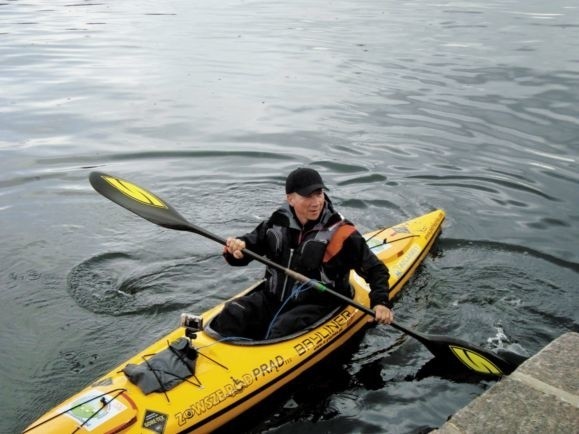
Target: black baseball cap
303 181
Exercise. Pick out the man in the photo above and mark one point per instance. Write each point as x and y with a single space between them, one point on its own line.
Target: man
307 235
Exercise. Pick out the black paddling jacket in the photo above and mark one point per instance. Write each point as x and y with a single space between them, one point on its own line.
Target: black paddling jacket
325 250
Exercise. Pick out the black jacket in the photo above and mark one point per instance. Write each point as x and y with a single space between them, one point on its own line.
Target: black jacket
285 241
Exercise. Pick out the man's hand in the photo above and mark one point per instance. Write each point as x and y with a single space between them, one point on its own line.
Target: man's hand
234 246
383 315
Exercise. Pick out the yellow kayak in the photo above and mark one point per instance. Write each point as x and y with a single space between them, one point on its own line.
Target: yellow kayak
223 379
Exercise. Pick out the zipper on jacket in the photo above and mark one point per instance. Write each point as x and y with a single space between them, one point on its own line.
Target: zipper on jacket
289 264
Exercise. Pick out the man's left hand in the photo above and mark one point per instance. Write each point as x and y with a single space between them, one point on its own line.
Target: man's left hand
382 315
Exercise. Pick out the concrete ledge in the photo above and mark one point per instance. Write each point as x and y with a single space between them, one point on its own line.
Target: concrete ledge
541 396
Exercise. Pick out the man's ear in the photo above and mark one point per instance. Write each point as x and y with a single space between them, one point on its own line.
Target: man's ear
290 199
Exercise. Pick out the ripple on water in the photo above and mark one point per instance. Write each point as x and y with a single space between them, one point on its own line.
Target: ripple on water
505 295
119 284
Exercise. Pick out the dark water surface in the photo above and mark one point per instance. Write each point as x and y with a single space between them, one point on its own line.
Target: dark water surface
468 106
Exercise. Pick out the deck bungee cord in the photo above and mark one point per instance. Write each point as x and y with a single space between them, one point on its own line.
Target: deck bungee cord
386 240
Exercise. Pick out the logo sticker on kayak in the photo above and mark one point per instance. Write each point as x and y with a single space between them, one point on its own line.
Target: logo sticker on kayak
406 261
93 409
155 421
400 229
319 337
214 399
135 192
377 245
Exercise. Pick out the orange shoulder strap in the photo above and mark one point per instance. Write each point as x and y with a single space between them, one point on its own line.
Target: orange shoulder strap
337 241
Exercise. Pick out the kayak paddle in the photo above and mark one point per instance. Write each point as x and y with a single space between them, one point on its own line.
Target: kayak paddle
150 207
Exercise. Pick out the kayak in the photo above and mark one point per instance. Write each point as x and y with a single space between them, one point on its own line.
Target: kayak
194 381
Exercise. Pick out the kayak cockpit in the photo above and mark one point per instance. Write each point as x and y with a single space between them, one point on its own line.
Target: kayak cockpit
211 331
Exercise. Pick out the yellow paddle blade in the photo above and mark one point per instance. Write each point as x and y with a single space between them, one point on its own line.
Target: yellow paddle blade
134 192
475 361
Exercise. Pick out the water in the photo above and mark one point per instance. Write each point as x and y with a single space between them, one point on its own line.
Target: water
402 106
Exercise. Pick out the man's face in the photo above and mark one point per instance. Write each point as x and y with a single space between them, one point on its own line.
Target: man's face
307 207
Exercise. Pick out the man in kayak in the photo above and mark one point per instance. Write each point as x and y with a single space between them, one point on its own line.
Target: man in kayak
307 235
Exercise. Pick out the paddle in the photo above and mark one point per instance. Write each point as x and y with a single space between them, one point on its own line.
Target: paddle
150 207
